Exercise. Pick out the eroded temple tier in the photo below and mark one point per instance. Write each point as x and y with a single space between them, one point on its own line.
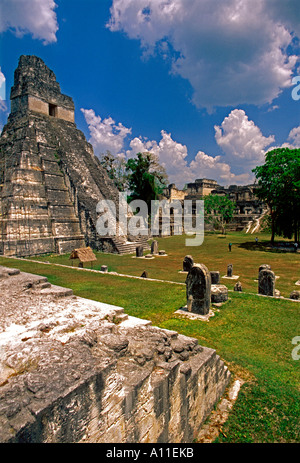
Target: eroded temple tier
36 89
50 179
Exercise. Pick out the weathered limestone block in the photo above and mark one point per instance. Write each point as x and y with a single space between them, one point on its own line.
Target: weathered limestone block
266 282
219 293
74 370
154 247
215 277
198 289
35 104
54 182
229 270
264 267
295 295
139 251
238 286
58 196
65 114
188 263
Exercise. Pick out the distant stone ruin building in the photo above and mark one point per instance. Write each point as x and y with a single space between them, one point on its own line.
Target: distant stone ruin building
249 208
201 187
50 179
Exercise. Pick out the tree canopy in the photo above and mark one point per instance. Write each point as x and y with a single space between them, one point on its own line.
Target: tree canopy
115 167
279 182
146 177
218 210
142 176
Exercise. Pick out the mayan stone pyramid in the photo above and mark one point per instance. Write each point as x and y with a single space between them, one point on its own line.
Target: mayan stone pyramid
50 179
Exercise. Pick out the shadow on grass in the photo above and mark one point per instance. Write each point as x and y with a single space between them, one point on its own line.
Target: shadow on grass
266 246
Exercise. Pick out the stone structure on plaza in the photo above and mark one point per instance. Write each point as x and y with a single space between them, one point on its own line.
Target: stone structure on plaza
229 270
249 208
50 179
201 187
295 295
154 247
238 287
219 293
245 198
75 370
215 277
264 267
202 287
188 263
139 251
266 282
198 289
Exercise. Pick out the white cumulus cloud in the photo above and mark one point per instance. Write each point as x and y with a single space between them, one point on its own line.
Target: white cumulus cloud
287 11
216 168
3 106
294 137
231 51
2 78
173 157
106 135
242 141
36 17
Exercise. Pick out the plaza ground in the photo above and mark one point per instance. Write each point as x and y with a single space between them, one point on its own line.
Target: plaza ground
252 334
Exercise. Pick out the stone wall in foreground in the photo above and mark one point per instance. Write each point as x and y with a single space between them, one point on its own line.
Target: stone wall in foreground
75 370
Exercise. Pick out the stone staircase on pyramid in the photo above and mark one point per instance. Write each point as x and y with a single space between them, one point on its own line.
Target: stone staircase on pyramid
129 247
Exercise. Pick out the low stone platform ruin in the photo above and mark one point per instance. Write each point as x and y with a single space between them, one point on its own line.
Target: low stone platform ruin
76 370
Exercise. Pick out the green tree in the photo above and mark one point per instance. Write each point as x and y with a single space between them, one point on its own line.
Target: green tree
218 210
115 167
146 178
279 182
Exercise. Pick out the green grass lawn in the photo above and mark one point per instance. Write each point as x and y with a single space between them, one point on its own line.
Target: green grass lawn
252 334
245 256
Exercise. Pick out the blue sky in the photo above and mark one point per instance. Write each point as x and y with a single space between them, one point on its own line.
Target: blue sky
204 84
